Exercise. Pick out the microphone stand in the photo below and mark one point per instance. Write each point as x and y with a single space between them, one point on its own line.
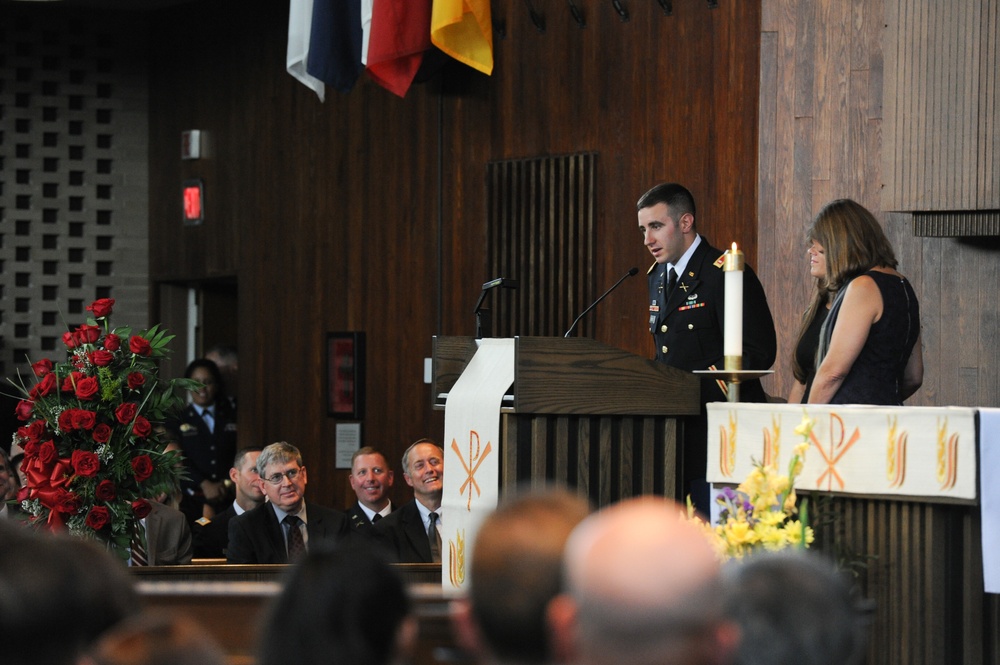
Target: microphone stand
484 322
630 273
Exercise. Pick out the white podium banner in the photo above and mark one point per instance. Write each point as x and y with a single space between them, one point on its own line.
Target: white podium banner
874 450
472 452
989 505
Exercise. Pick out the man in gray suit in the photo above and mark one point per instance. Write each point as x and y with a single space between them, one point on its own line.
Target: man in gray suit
285 527
168 536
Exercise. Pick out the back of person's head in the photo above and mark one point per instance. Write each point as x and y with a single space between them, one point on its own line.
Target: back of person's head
339 605
793 608
852 240
516 569
642 587
677 198
279 452
58 594
157 638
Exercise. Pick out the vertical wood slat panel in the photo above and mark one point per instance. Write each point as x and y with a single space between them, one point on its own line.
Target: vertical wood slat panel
606 458
921 568
549 221
941 105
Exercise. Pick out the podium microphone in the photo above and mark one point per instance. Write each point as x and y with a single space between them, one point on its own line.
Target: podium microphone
630 273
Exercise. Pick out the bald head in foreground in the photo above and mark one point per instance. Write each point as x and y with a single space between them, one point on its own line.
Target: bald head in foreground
515 571
642 588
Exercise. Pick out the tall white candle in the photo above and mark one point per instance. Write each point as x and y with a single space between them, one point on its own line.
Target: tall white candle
732 341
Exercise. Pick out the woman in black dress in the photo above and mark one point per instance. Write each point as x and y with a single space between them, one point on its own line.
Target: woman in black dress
869 348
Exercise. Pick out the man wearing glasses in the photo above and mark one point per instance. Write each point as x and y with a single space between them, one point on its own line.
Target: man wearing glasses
284 528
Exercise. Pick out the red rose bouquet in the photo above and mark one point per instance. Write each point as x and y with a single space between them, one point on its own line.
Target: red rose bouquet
92 455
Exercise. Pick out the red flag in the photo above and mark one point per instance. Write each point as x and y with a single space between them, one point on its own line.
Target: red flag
400 33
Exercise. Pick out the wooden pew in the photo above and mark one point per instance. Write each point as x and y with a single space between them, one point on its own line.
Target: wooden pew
230 601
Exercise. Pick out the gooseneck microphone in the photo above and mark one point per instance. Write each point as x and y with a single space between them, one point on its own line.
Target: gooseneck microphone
630 273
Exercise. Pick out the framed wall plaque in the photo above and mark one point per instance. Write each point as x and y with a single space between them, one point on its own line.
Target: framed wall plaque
345 374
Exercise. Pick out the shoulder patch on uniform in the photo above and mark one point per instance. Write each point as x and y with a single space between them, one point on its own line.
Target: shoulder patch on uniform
203 521
719 261
652 268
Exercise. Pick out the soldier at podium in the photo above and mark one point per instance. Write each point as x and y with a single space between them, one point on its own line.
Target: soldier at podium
686 311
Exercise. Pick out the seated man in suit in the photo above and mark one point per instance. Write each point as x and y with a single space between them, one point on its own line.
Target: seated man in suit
211 536
412 533
282 529
168 538
371 480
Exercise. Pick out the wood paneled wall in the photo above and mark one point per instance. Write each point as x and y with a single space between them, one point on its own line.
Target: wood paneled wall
368 212
942 118
821 138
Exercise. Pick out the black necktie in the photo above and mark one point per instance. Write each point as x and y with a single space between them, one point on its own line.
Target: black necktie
376 517
208 415
434 538
671 281
296 546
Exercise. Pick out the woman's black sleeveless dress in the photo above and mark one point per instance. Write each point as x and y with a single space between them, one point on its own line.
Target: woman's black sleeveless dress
874 378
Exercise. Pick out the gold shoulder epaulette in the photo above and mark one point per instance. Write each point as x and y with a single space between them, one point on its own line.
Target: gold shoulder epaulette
719 261
652 268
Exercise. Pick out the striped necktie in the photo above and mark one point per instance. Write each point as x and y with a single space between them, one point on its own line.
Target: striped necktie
137 548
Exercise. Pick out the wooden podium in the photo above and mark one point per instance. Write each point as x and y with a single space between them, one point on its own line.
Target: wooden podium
583 414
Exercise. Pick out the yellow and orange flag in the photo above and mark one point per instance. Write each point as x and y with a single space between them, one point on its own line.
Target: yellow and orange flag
463 29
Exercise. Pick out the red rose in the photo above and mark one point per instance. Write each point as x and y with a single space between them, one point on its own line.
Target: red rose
112 342
105 490
126 412
102 433
66 422
98 518
87 387
102 358
142 467
45 387
83 419
33 432
67 502
47 453
141 508
69 383
85 463
136 380
101 307
88 334
23 410
31 450
139 345
141 428
42 367
70 340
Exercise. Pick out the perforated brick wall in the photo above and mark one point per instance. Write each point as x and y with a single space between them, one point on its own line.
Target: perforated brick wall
73 176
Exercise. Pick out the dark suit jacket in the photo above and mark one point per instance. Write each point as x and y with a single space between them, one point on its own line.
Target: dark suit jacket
212 539
401 536
168 537
257 537
357 518
688 327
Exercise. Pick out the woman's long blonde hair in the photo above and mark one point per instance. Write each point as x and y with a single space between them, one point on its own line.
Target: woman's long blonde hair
853 243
